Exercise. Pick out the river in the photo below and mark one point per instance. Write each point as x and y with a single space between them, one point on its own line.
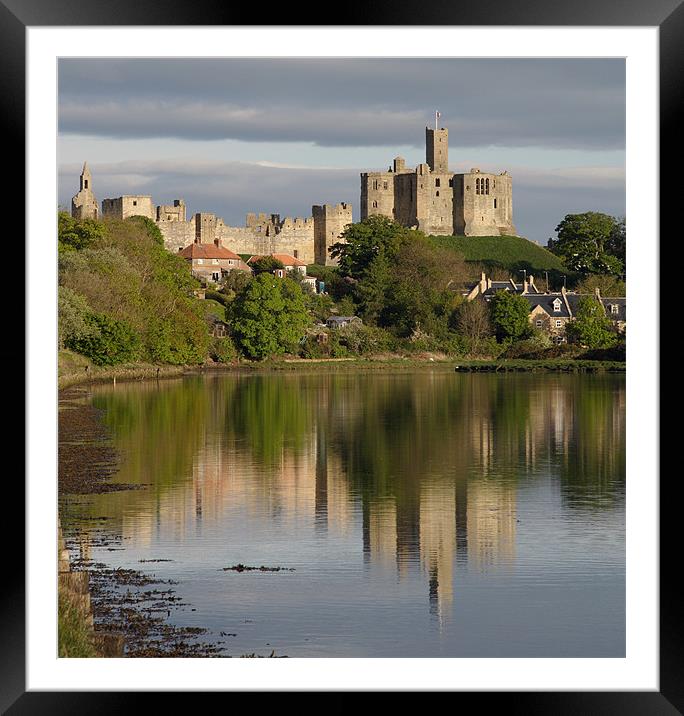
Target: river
416 513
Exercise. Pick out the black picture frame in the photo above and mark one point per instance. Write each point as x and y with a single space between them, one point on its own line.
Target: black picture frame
17 15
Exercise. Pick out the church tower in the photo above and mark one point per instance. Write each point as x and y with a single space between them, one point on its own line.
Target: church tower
84 205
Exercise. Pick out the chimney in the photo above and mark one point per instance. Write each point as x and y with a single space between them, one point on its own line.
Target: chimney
530 282
483 282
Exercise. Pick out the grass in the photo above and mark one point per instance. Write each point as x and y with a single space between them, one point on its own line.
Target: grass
74 369
74 634
513 253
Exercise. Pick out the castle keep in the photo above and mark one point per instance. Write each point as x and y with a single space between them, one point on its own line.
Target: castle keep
437 201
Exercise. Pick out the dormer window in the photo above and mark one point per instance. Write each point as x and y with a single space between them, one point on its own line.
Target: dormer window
557 305
614 308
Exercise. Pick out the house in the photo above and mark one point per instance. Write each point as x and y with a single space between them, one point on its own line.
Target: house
343 321
209 262
486 288
291 263
550 312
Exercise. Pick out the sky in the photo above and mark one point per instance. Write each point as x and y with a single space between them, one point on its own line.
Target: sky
277 135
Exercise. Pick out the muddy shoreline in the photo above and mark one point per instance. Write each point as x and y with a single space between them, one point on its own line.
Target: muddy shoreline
129 602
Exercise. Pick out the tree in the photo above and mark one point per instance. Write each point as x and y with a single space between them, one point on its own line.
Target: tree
266 264
269 316
109 342
73 312
586 242
607 285
472 320
376 237
510 316
77 234
591 327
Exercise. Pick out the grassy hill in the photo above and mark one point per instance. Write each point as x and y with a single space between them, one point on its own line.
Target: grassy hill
512 253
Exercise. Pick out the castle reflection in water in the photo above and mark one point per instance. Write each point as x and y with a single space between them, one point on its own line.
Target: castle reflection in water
425 469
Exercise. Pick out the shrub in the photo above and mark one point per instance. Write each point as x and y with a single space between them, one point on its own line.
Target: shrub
109 342
73 312
222 350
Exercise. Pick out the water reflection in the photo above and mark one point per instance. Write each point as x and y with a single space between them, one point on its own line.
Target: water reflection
421 471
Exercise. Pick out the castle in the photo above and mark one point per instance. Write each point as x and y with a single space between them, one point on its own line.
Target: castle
307 239
429 198
437 201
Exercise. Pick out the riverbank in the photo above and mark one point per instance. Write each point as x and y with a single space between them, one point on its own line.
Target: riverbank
103 611
76 370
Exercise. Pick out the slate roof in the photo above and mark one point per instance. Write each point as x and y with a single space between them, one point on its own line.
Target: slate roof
545 300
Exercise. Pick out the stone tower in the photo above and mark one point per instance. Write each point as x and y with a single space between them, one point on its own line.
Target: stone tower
437 150
84 205
329 223
431 198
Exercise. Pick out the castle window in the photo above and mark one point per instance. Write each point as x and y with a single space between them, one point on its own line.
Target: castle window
375 204
477 186
437 194
437 182
451 182
85 184
487 186
295 253
495 203
384 185
375 184
135 203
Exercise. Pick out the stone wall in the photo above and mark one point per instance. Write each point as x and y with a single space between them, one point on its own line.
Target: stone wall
124 206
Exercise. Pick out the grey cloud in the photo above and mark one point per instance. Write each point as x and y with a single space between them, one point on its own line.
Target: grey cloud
355 102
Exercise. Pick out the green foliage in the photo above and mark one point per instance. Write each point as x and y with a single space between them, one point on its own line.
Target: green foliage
223 350
149 227
509 314
126 274
591 327
214 304
266 264
400 280
585 242
269 316
109 341
73 312
531 347
75 637
608 285
365 340
180 339
76 235
346 306
233 283
376 239
319 305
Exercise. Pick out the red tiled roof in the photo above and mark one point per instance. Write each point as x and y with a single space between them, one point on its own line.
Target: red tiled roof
207 251
285 259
